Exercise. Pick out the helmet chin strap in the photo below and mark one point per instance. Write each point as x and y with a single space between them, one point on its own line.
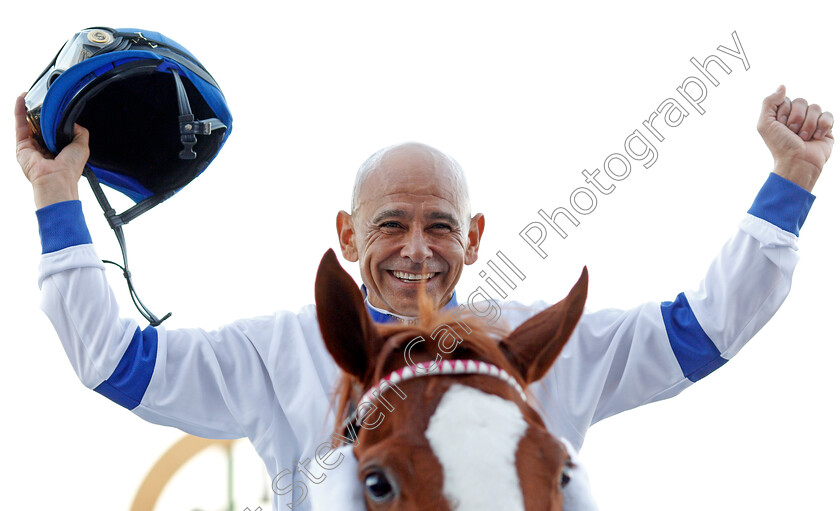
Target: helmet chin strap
116 221
188 126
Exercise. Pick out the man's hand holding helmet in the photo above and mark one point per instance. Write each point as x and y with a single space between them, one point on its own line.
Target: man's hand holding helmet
54 179
155 119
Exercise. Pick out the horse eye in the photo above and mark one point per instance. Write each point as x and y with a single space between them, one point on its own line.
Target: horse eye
566 475
378 486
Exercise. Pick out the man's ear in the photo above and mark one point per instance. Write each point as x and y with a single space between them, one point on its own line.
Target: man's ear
474 238
535 345
346 236
348 331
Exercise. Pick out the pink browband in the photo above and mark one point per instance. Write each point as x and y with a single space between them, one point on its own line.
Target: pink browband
444 367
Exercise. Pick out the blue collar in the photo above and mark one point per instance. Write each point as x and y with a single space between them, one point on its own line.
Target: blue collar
383 316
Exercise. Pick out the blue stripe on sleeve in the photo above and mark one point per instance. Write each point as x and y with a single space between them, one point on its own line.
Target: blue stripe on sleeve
696 353
782 203
131 378
62 225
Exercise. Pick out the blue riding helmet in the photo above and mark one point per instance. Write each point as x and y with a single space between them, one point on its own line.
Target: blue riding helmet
139 94
155 115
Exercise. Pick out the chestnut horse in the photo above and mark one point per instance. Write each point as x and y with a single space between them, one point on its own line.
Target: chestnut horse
436 410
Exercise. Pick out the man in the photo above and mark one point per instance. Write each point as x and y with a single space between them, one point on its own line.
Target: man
269 378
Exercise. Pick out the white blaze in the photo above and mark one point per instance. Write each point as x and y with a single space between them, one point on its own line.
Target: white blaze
475 437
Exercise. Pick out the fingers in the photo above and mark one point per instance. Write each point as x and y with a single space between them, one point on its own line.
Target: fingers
784 111
27 150
798 109
775 107
809 126
807 121
76 153
80 135
771 103
824 125
22 130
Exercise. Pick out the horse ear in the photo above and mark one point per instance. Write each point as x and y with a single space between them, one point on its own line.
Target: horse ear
348 331
534 345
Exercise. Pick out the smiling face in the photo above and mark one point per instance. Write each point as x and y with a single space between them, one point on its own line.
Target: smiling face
411 228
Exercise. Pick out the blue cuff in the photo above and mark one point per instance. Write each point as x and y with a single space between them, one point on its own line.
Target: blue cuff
696 353
62 225
129 381
782 203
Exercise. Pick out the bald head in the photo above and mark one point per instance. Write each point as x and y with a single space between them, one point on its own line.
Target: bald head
401 162
410 227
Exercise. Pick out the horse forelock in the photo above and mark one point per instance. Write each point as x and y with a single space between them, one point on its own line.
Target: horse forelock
476 336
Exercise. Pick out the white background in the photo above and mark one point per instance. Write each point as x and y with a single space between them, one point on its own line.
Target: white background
525 95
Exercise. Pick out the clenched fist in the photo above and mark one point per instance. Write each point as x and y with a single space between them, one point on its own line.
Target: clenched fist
798 135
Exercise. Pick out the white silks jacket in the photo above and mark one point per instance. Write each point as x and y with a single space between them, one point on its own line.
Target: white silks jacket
270 378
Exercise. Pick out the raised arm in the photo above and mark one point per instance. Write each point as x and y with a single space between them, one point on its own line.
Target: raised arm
621 359
205 383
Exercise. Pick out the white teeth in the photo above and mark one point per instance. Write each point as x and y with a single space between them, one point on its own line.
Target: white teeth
412 276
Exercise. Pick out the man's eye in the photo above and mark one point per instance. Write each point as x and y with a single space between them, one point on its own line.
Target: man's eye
444 227
389 225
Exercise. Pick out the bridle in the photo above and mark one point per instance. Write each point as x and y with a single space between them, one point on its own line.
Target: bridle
434 368
350 427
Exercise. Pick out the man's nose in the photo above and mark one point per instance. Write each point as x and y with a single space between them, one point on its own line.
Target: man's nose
416 247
